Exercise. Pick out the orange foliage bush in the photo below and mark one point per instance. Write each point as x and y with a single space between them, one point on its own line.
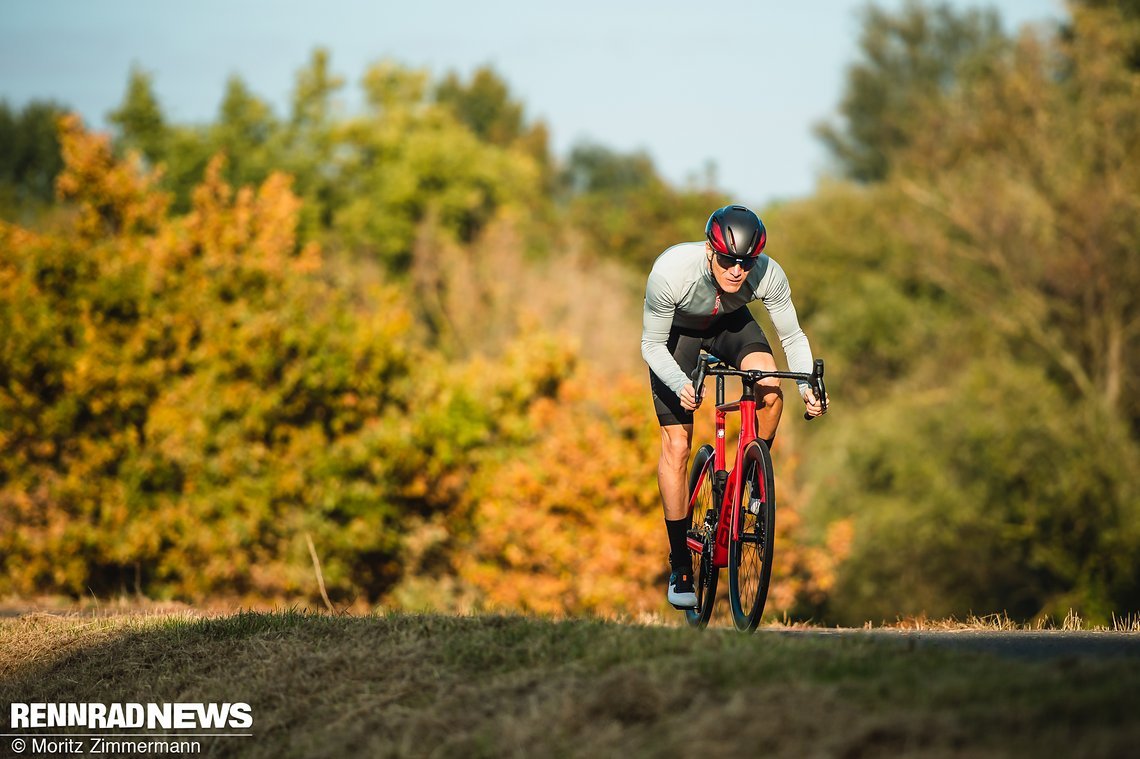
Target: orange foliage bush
573 523
176 391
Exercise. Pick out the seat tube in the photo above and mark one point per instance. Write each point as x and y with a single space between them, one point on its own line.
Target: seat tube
721 460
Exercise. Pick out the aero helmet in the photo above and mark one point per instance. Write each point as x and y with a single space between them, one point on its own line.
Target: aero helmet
736 231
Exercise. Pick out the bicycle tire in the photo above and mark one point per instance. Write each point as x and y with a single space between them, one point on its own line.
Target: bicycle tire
750 556
705 573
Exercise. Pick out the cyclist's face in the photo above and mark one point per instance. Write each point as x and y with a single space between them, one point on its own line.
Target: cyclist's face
729 278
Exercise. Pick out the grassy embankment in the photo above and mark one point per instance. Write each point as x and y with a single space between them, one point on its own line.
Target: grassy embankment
491 686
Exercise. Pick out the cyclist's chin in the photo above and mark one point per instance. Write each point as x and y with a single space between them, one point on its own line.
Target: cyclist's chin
729 286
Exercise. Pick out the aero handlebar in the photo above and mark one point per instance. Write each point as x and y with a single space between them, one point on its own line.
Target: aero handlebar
711 366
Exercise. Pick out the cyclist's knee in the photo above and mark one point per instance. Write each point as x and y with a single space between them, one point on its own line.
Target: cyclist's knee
769 391
675 445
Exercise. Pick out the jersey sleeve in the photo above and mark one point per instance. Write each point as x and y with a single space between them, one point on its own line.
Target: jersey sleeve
656 322
777 298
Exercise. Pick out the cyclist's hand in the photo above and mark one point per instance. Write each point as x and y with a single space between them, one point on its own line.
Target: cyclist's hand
689 398
814 407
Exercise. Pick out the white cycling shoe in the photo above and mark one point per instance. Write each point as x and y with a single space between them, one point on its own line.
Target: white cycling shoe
681 593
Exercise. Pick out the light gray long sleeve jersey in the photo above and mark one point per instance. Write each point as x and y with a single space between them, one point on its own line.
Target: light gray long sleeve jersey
681 291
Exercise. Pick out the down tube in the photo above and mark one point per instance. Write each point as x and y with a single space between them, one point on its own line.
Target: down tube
747 435
724 524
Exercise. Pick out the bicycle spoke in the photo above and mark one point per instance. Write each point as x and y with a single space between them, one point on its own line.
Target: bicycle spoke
702 531
751 560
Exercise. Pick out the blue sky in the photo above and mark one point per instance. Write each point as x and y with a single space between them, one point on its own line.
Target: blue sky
740 87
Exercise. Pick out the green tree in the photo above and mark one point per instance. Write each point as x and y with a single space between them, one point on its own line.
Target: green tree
411 167
485 105
140 120
908 61
976 495
247 132
594 168
29 158
181 152
1031 206
625 210
309 140
986 317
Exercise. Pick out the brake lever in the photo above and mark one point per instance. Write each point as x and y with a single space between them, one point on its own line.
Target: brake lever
699 382
818 388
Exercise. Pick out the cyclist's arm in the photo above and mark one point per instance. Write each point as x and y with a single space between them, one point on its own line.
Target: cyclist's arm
656 322
777 298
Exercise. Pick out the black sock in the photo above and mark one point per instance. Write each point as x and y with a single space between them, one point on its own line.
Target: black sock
770 442
679 555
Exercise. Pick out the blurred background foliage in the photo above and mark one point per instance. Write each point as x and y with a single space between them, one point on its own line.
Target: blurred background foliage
409 335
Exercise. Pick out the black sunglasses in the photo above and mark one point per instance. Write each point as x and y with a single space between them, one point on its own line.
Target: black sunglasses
727 262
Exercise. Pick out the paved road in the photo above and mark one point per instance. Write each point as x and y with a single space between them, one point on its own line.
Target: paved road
1022 644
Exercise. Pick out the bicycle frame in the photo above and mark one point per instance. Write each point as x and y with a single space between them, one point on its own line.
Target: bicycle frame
726 484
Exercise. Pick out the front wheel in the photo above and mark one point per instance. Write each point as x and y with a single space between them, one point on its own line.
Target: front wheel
702 527
750 555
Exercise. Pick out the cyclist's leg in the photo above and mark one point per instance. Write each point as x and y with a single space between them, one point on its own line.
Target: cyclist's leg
769 397
676 442
676 427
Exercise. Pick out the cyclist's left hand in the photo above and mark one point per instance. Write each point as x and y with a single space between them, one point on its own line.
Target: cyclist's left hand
814 407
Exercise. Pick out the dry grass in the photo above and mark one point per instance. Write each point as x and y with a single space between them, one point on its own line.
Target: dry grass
424 685
1002 622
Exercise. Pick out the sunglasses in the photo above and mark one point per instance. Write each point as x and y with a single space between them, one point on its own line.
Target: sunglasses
727 262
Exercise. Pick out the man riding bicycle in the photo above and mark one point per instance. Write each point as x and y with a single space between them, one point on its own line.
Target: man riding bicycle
697 297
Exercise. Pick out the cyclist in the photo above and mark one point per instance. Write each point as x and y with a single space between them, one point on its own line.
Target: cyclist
697 297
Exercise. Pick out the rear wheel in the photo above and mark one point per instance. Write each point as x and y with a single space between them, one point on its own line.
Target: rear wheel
750 556
705 575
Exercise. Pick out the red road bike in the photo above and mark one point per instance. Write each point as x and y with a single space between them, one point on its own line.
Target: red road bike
733 512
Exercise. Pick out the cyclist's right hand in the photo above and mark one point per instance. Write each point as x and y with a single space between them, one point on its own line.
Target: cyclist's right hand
689 398
814 407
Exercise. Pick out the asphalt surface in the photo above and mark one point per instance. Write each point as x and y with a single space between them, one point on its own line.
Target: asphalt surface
1019 644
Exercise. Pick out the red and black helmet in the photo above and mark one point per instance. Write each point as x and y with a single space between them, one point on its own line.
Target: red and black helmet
736 231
